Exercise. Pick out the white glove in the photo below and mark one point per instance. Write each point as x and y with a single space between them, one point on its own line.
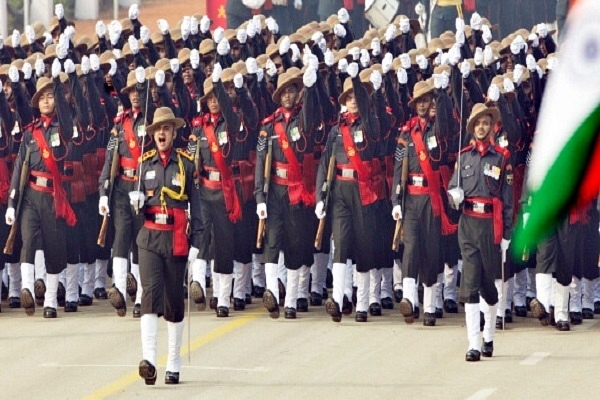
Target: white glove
459 24
542 30
355 53
339 30
343 16
62 47
40 67
9 217
486 34
193 254
193 26
320 212
539 71
103 206
316 37
454 54
185 27
113 67
94 62
69 32
16 38
238 81
48 40
241 36
159 77
218 34
251 29
387 62
216 73
402 76
518 74
260 74
488 56
272 25
223 47
174 65
295 52
390 32
261 210
100 29
397 213
376 79
530 61
445 59
85 65
68 66
310 77
343 65
144 34
251 65
133 44
422 62
457 195
29 34
405 61
493 93
322 44
284 46
163 26
59 11
476 21
509 86
352 69
27 70
533 38
194 58
136 198
376 46
478 57
504 244
419 9
404 25
204 24
465 69
306 53
271 68
440 81
298 4
313 62
56 68
365 58
115 30
134 11
328 56
552 63
438 58
460 37
140 75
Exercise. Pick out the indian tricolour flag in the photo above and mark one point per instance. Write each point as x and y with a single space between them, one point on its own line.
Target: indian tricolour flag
565 163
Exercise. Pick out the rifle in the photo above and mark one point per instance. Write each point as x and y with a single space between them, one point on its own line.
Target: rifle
326 189
261 222
401 191
114 171
10 241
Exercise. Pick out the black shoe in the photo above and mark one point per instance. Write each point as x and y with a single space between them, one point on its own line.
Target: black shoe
375 309
360 316
14 302
239 304
290 313
508 316
333 309
302 305
325 294
137 311
428 319
597 307
499 324
329 279
439 313
398 293
50 312
271 304
85 300
450 306
131 287
563 326
100 293
71 306
539 311
576 318
258 291
416 312
147 371
171 378
473 355
521 311
116 299
27 302
587 313
281 292
407 311
387 303
316 299
528 303
346 306
212 304
60 294
197 295
222 312
487 349
39 291
248 299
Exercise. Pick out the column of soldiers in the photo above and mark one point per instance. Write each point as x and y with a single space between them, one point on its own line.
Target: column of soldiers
258 157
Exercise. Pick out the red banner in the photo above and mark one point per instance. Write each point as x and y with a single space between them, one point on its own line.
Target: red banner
215 10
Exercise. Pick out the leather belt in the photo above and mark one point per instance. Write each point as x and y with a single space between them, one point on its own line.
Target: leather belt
478 207
346 173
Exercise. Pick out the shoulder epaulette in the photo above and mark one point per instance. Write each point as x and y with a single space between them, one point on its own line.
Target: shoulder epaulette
196 122
185 154
268 120
149 154
468 148
502 151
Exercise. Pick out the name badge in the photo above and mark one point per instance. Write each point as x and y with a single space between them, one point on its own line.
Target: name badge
16 129
150 175
431 142
176 181
491 171
75 132
141 130
54 139
222 137
358 137
295 134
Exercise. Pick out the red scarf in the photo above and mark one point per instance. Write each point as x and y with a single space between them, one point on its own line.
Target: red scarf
365 187
482 146
132 143
62 207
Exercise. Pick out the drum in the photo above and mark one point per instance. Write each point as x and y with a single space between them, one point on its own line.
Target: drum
382 12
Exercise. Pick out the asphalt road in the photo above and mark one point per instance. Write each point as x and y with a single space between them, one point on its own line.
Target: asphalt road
94 354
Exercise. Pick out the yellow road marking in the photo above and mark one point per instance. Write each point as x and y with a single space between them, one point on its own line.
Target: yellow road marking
132 377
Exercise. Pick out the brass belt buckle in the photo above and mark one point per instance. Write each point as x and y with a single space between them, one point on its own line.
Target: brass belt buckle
281 173
214 176
417 181
128 172
41 181
347 173
478 207
161 218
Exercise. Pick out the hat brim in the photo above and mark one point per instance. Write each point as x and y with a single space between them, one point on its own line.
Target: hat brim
293 81
492 112
413 102
177 121
35 100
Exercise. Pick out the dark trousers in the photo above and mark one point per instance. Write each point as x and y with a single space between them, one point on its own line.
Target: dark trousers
127 225
482 260
161 275
384 234
443 19
561 253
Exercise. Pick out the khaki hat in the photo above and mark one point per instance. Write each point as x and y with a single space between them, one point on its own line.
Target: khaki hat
498 80
43 83
84 44
444 68
298 38
164 115
480 110
415 26
151 73
127 27
163 64
434 44
230 34
104 60
53 25
347 89
157 38
4 71
176 34
332 20
240 67
131 83
227 75
421 89
288 78
39 30
206 46
183 56
50 53
208 88
272 50
261 60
